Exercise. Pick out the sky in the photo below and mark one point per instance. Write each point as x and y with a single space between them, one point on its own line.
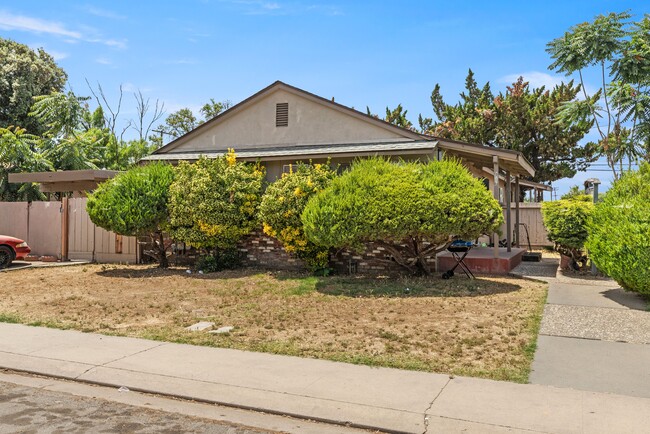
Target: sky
362 53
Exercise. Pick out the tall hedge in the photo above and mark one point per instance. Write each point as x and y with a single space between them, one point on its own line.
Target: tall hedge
566 223
214 202
411 209
135 203
283 203
619 232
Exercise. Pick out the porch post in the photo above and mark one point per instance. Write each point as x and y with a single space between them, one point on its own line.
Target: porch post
495 236
508 212
517 218
64 227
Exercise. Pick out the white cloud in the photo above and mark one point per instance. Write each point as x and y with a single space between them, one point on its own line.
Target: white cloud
182 62
12 22
103 61
266 7
104 13
35 25
535 78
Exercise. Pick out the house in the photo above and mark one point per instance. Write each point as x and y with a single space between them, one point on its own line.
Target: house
282 124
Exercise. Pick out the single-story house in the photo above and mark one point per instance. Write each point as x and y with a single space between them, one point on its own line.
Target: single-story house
282 124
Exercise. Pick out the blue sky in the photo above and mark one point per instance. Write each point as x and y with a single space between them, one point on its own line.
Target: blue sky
363 53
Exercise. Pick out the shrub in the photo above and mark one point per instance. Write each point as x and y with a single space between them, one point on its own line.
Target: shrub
134 203
219 260
619 232
214 202
411 209
566 222
282 205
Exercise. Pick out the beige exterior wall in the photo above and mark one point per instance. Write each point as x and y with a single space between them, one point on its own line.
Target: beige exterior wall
309 123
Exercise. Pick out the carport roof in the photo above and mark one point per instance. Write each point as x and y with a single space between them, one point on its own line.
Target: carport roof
68 180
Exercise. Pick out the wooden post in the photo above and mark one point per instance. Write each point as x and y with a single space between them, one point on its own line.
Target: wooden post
64 227
508 212
495 236
517 216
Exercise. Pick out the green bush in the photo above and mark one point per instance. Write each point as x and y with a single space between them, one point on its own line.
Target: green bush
213 202
619 232
226 259
135 203
282 205
566 222
411 209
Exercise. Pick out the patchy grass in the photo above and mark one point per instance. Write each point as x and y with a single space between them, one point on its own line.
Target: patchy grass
485 327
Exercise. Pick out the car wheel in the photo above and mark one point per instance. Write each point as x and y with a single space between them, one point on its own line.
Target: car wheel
6 256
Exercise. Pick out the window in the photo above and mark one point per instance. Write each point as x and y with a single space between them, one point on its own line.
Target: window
282 114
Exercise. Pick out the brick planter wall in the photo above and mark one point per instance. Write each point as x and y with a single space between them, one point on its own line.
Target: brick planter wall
260 250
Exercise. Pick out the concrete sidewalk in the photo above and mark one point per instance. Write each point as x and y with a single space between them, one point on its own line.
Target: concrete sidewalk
377 398
594 336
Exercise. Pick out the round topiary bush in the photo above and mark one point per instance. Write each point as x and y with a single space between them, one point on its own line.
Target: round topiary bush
282 205
619 232
566 222
410 209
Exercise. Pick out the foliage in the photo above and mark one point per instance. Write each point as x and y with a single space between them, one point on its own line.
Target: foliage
283 203
18 153
214 202
619 52
219 260
522 119
24 74
566 221
573 192
135 203
619 232
411 209
184 120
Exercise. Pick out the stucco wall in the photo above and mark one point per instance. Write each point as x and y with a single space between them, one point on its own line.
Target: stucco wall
309 123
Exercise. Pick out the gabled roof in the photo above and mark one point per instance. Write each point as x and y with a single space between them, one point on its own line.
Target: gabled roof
279 85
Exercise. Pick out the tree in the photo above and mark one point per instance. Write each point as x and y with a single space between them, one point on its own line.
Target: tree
214 202
619 231
282 205
134 203
184 120
522 119
397 116
24 74
619 52
18 153
566 222
410 209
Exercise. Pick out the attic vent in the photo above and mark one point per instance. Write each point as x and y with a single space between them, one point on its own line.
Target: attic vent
282 114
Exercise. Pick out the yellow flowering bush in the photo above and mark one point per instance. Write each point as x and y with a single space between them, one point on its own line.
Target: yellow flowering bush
214 202
283 203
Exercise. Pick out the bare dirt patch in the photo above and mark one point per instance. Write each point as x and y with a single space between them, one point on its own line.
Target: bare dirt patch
486 327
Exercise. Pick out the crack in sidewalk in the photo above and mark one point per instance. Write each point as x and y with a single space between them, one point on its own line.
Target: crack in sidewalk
426 419
119 358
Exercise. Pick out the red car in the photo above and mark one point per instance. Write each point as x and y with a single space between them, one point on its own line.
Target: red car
12 248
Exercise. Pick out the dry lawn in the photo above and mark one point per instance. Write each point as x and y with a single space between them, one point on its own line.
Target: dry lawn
486 328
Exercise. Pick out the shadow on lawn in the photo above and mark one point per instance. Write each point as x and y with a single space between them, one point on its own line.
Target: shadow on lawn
406 287
336 285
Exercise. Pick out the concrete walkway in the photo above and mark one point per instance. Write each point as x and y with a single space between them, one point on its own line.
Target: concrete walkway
594 336
384 399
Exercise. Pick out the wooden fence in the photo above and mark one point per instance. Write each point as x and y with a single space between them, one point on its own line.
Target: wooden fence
40 224
530 213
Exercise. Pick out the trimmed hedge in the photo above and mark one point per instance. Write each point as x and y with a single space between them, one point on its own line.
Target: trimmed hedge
619 232
566 222
283 203
411 209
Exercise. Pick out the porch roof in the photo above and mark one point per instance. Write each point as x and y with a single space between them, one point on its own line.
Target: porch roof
68 180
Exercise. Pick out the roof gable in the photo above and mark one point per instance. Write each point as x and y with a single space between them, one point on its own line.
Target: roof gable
312 120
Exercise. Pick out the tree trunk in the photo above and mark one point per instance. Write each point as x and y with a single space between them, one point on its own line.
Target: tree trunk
162 251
